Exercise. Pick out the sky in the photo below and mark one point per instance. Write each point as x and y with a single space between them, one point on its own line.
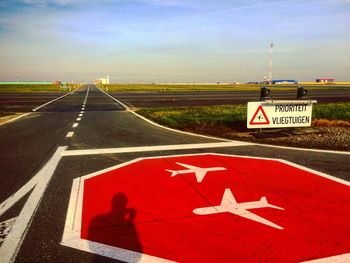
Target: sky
173 40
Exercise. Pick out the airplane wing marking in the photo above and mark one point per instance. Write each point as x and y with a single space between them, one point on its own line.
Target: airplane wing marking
230 205
198 171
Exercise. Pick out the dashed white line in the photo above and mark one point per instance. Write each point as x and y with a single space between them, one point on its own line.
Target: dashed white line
80 115
75 125
70 134
78 119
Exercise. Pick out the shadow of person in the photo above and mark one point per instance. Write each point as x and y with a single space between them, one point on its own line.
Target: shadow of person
117 229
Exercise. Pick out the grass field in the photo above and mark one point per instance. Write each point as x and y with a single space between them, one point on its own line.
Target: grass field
228 115
33 88
212 87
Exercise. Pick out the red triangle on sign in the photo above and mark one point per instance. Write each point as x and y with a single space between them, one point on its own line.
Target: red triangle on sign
260 120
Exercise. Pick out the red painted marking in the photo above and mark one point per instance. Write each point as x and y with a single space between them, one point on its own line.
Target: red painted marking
153 211
266 121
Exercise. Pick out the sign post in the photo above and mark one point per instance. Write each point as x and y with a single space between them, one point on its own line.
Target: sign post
279 114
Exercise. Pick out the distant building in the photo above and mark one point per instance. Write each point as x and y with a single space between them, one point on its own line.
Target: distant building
102 80
284 81
57 83
325 80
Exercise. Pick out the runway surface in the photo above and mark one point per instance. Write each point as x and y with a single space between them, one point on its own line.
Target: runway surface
87 131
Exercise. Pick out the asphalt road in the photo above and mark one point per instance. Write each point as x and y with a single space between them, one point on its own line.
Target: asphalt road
200 98
26 101
98 133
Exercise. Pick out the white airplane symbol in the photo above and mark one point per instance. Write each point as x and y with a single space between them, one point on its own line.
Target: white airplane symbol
200 172
230 205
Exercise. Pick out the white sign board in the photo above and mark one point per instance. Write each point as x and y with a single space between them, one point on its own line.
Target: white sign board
278 114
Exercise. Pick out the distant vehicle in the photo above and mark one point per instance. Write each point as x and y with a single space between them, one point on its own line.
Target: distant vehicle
285 81
326 80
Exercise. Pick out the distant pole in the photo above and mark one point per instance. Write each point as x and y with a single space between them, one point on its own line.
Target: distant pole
270 64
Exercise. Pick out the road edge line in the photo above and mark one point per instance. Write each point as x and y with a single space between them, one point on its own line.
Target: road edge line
49 102
16 118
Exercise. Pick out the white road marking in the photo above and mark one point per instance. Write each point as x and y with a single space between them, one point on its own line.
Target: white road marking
75 125
78 119
83 108
344 258
116 100
155 148
302 149
16 118
87 94
49 102
80 115
5 228
70 134
12 243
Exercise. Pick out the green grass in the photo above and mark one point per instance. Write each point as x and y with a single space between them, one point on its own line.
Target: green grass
178 117
212 87
332 111
31 88
227 115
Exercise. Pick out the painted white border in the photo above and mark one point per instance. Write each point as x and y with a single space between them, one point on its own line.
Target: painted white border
49 102
16 118
38 183
155 148
71 234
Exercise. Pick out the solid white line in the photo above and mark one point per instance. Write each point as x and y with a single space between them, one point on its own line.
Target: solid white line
47 103
126 107
78 119
75 125
70 134
155 148
16 118
302 149
13 241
